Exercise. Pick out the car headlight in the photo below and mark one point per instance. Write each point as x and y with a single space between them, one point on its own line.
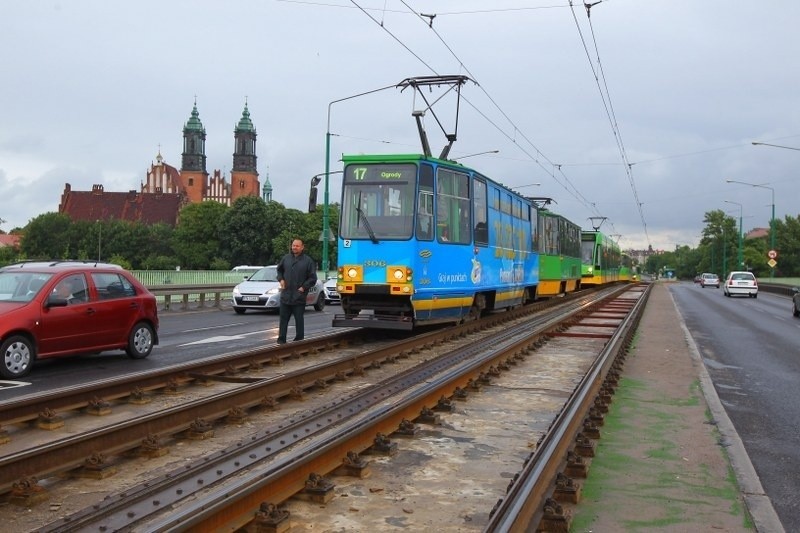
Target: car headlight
236 291
275 290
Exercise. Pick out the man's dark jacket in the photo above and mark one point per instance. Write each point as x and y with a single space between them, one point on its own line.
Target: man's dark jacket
300 271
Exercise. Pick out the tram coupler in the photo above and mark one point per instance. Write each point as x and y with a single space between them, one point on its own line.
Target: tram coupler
353 465
269 519
317 489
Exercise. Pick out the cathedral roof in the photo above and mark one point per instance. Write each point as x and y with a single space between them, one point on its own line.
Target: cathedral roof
245 124
194 124
133 206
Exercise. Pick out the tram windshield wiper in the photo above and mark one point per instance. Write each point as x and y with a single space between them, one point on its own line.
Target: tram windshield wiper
363 217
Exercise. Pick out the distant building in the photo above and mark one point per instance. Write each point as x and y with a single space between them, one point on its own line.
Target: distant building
757 233
9 240
166 190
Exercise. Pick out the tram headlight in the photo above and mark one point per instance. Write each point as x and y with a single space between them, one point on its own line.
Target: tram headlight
398 274
352 273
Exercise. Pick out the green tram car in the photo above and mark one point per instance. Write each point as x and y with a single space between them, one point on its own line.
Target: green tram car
627 272
601 259
559 247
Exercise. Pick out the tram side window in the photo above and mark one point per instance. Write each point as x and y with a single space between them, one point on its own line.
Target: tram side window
479 212
425 204
452 207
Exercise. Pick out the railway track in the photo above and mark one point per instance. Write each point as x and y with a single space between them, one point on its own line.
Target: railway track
252 480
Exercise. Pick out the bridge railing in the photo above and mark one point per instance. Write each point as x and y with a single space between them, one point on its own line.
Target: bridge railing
184 295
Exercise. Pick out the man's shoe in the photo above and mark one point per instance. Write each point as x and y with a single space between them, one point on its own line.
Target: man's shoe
295 340
281 341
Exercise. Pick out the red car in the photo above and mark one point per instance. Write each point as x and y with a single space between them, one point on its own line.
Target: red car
60 308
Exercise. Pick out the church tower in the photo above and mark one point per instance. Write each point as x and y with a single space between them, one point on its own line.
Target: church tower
244 176
193 164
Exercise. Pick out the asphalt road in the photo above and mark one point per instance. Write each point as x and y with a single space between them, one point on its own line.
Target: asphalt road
751 349
183 336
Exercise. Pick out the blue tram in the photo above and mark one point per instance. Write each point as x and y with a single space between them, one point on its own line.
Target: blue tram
424 240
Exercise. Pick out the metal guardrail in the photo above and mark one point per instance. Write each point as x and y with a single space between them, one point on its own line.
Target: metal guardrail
216 294
776 288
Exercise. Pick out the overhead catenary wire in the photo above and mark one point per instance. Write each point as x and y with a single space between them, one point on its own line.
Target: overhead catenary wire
554 170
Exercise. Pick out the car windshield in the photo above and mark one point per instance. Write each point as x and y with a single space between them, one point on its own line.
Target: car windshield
742 276
16 286
269 273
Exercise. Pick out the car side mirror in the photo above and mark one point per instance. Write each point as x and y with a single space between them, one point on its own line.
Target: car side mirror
54 301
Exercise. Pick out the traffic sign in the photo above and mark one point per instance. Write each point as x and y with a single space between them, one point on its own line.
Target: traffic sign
772 254
772 263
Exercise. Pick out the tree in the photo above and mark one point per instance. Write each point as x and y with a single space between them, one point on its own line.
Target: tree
48 237
196 240
246 227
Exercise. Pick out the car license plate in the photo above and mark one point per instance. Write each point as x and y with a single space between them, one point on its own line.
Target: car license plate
249 298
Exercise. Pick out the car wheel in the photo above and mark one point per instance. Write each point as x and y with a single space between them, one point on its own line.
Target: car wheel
320 305
18 355
795 310
755 295
239 310
140 341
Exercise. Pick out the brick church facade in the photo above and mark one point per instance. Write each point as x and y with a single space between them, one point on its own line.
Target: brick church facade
167 189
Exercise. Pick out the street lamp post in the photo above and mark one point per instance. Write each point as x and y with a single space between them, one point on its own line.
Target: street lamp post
774 146
741 250
772 218
326 223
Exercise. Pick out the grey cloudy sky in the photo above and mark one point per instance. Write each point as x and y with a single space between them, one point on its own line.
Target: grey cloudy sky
91 89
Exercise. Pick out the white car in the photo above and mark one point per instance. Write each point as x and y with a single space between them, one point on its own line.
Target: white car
331 294
743 283
262 291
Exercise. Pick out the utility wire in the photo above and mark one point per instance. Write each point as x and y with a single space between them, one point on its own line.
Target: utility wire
605 96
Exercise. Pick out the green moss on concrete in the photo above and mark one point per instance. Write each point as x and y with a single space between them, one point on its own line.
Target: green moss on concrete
679 498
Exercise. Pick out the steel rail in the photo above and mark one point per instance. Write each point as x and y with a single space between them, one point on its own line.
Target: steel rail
523 505
27 408
70 453
117 511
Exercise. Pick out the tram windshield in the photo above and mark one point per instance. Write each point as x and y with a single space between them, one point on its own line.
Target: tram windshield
378 201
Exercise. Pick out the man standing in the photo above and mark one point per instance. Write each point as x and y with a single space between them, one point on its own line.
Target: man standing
297 274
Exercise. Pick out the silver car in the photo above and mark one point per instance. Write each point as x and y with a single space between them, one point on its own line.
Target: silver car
262 291
709 280
331 293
